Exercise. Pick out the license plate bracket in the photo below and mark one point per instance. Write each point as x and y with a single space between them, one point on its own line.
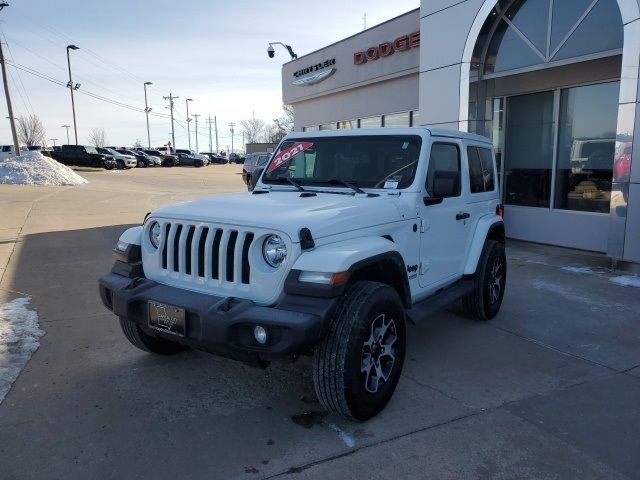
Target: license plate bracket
167 318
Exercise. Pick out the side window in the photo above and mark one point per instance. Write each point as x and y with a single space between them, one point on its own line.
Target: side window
486 160
443 174
476 179
481 178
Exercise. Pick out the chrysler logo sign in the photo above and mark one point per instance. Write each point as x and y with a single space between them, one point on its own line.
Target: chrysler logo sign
314 73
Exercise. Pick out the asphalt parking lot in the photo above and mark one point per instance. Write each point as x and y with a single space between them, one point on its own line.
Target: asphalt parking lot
549 389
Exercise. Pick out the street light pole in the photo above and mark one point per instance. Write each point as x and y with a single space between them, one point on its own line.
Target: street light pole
146 111
196 115
231 125
54 141
209 122
67 127
188 120
72 88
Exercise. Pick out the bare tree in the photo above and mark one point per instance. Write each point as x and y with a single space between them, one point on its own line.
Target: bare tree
287 118
138 143
253 129
31 130
97 137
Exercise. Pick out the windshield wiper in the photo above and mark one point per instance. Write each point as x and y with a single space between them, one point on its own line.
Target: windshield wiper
352 186
292 182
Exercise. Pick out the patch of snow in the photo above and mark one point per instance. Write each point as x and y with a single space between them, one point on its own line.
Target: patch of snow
19 334
626 280
580 270
348 440
33 168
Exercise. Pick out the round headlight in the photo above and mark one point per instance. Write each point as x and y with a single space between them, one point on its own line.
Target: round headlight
154 234
274 251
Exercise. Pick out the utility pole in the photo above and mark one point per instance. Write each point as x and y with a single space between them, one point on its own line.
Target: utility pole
54 141
243 144
67 127
196 115
171 98
188 120
146 111
209 122
72 87
231 125
12 121
215 123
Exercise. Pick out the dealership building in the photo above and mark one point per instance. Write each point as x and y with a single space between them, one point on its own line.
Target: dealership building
553 83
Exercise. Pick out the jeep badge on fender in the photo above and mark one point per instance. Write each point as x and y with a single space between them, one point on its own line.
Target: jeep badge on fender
346 236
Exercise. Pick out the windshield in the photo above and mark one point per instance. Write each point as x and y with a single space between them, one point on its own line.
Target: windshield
90 150
384 161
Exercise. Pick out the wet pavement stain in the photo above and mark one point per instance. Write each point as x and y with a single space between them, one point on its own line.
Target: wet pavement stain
251 470
309 419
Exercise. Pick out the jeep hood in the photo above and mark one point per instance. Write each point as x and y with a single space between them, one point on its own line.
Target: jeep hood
325 214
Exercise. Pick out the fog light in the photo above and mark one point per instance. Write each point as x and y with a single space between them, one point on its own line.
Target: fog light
261 334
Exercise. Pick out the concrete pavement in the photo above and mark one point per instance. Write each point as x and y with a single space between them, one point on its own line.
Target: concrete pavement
549 389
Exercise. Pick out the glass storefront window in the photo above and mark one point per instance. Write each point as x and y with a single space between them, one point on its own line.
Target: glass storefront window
535 32
397 120
328 126
529 149
371 122
497 134
347 124
309 129
586 147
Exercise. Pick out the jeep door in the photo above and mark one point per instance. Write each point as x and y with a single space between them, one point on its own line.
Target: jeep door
444 230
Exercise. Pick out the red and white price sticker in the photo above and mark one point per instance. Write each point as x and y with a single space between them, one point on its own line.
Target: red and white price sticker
287 154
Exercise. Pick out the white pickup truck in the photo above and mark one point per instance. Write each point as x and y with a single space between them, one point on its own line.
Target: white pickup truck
346 236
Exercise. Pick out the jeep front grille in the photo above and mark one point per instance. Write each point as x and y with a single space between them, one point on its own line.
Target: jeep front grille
207 252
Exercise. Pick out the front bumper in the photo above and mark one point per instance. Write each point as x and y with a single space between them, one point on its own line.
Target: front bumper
217 324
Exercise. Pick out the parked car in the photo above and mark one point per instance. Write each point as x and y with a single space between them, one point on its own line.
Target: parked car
165 160
251 162
83 156
205 160
216 158
142 158
122 161
235 158
7 151
191 160
345 239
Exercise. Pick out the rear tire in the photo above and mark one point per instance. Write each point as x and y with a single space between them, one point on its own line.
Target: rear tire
490 280
357 365
146 342
120 164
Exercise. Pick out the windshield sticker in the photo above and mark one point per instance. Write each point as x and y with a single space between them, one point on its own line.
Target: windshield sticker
287 154
391 184
405 145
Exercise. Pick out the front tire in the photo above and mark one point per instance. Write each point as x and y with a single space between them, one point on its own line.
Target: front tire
120 164
357 365
490 280
147 343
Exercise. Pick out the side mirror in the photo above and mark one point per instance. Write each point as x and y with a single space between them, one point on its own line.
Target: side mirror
255 176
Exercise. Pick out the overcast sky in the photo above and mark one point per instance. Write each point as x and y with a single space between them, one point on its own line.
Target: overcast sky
211 51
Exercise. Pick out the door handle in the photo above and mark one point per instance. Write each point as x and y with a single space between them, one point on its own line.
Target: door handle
462 216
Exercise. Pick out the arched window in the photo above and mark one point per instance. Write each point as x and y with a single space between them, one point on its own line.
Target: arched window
528 33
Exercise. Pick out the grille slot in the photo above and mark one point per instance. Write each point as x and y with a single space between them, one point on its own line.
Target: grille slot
231 246
201 244
246 267
206 253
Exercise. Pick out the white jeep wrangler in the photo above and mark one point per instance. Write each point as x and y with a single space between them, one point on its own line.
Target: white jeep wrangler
346 236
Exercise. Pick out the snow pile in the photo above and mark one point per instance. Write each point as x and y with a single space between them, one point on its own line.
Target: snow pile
19 334
33 168
627 280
